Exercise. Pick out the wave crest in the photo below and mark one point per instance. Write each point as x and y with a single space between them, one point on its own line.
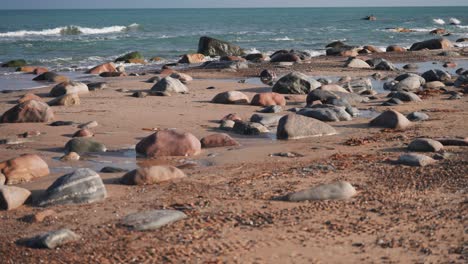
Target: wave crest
70 30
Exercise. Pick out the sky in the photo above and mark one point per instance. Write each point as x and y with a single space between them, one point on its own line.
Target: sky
109 4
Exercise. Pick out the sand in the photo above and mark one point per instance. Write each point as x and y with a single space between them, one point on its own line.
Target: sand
400 215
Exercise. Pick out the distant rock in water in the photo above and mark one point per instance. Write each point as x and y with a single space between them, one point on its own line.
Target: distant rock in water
14 63
215 47
370 18
130 56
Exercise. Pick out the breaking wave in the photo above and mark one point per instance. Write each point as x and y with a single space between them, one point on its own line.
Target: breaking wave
70 30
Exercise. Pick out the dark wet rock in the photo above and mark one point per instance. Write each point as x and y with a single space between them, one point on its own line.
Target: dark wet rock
391 119
151 220
335 44
81 186
51 77
152 175
333 191
416 160
344 103
295 83
50 240
266 120
231 97
294 126
417 116
327 113
97 86
268 77
140 94
88 125
14 63
462 81
440 43
215 47
113 74
248 128
436 75
411 66
62 123
169 142
463 142
256 57
82 145
392 102
425 145
385 65
12 197
324 81
406 96
342 50
285 57
171 85
130 56
31 111
109 169
218 140
271 109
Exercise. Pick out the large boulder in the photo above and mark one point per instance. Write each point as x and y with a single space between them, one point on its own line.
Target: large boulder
267 99
14 63
24 169
391 119
218 140
439 43
230 97
215 47
152 175
12 197
192 58
169 85
51 77
295 126
130 56
82 145
169 142
31 111
333 191
295 83
81 186
106 67
70 87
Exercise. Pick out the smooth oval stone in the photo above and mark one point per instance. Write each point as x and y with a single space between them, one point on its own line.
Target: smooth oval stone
425 145
152 175
82 145
417 116
417 160
152 219
294 126
51 240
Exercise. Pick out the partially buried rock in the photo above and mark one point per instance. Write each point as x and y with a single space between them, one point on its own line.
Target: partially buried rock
97 86
81 186
152 175
83 133
113 74
51 77
90 124
295 83
218 140
31 111
12 197
84 145
406 96
391 119
333 191
66 100
295 126
24 168
69 87
271 109
392 102
140 94
51 240
72 156
61 123
169 143
152 219
417 116
266 120
417 160
268 99
110 169
231 97
249 128
171 85
425 145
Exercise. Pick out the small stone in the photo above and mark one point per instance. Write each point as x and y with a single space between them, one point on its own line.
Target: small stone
442 156
417 160
333 191
455 97
140 94
89 125
218 140
72 156
152 175
271 109
82 145
2 178
425 145
97 86
83 133
231 97
61 123
417 116
109 169
152 219
12 197
392 102
41 216
391 119
51 239
227 125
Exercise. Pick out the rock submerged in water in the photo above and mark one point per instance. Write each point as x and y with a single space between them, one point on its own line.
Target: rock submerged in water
51 240
151 220
81 186
24 168
294 126
391 119
170 85
333 191
82 145
218 140
295 83
326 113
130 56
152 175
12 197
31 111
425 145
169 142
215 47
70 87
14 63
416 160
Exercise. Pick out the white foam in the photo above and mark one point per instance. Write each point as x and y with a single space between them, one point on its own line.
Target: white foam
439 21
454 21
252 51
282 39
68 30
316 53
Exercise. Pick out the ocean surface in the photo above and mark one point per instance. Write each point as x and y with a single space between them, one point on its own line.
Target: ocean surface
74 40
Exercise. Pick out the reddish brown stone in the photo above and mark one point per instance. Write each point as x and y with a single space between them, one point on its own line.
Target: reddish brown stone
24 168
395 48
169 143
192 58
267 99
29 96
83 133
218 140
31 111
106 67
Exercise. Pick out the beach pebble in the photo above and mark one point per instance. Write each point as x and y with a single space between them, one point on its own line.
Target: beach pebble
72 156
83 133
169 143
81 186
226 66
50 240
333 88
31 111
334 191
455 97
357 63
425 145
170 85
395 48
268 99
271 109
417 116
123 90
295 83
12 197
42 215
66 100
152 175
358 85
218 140
227 125
24 168
450 64
140 94
113 74
442 156
391 119
295 126
231 97
88 125
249 128
97 86
266 120
61 123
69 87
151 220
417 160
411 66
256 57
82 145
320 95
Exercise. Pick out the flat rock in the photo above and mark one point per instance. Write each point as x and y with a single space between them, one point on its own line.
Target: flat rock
82 145
293 126
391 119
51 239
152 219
416 160
327 113
12 197
152 175
266 120
333 191
218 140
81 186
